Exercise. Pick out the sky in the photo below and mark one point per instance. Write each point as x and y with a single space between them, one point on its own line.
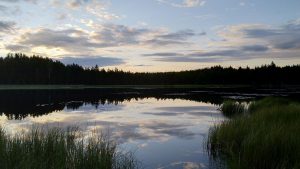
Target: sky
153 35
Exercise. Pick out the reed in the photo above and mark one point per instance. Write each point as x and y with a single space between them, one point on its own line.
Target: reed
56 148
232 108
268 138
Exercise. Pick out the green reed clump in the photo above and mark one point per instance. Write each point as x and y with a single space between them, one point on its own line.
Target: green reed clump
232 108
269 138
61 149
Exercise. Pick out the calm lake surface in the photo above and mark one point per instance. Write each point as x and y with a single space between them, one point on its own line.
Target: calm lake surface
164 129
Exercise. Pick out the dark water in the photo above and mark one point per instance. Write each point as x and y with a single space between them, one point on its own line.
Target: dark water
165 128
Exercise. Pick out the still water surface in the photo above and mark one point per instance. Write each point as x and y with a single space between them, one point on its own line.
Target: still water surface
163 132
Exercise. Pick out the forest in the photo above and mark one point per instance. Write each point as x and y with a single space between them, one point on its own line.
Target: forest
20 69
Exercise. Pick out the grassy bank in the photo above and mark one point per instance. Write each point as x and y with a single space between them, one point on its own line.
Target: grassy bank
232 108
60 149
267 138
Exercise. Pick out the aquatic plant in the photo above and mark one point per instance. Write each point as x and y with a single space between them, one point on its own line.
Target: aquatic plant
232 108
56 148
269 138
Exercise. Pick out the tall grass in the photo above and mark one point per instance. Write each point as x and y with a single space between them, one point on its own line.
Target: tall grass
269 138
232 108
61 149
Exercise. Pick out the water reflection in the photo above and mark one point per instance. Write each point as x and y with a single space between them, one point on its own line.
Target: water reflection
20 104
165 130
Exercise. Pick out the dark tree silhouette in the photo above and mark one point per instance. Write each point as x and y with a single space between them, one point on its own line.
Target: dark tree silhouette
21 69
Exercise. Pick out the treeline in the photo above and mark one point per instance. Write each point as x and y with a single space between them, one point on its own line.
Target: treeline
21 69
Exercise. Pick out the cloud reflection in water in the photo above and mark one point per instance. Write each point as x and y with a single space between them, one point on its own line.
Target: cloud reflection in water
166 123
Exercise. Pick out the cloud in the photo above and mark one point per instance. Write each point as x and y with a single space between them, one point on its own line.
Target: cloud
180 35
243 42
98 8
226 52
186 59
118 35
233 52
238 53
184 3
3 8
163 54
7 26
182 57
17 48
69 39
77 3
284 37
90 61
11 10
255 48
163 42
191 3
14 1
141 65
107 35
62 16
172 38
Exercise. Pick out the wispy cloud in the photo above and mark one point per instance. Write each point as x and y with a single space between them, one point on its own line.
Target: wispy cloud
9 10
254 48
103 36
191 3
17 48
90 61
243 42
3 8
98 8
184 3
238 53
120 35
7 26
180 35
77 3
284 37
14 1
69 39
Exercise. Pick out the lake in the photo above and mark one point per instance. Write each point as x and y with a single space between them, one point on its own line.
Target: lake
164 128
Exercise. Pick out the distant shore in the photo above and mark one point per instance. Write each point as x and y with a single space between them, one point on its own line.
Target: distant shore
41 87
187 86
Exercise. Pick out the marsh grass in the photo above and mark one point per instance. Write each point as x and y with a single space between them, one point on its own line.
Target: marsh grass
56 148
232 108
269 138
